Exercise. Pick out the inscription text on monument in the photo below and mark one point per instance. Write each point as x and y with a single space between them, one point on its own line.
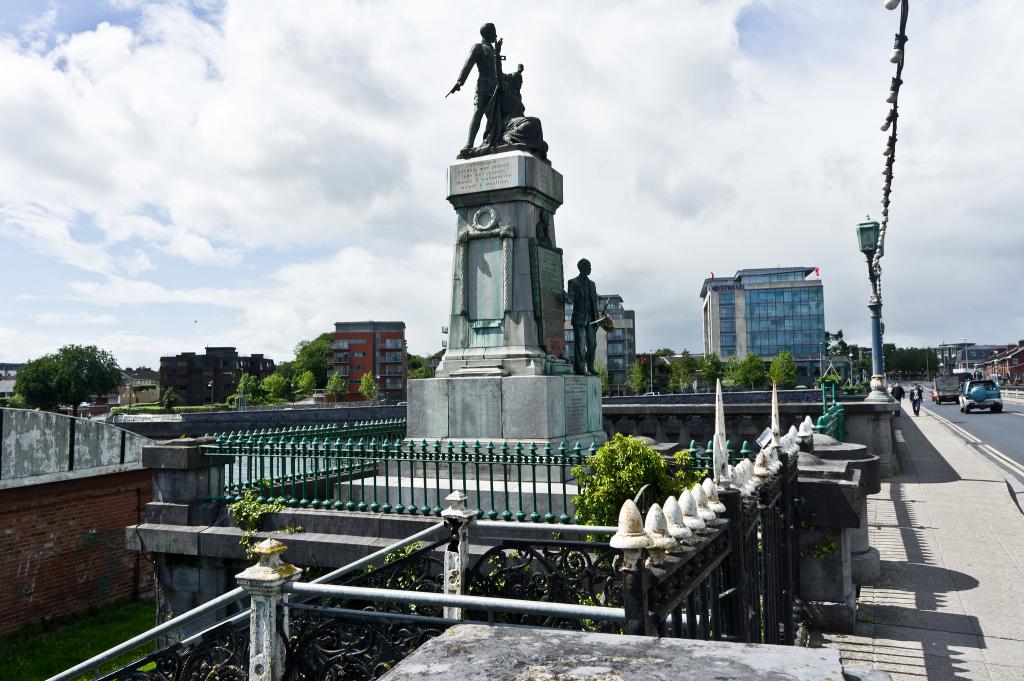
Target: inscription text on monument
552 300
575 406
482 176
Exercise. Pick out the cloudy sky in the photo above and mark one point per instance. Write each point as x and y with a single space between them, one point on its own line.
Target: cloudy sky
179 174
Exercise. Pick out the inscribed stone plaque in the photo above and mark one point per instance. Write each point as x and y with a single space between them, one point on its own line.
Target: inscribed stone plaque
483 175
552 300
575 405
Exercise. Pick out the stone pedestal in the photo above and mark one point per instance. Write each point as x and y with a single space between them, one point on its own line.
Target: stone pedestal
516 408
865 560
504 375
833 500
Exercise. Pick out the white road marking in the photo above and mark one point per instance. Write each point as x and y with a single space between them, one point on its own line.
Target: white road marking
972 440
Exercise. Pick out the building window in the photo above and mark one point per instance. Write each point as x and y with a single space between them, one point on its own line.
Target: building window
394 344
394 357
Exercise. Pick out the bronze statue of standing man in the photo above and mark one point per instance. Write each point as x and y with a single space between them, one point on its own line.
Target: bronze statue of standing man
585 317
481 55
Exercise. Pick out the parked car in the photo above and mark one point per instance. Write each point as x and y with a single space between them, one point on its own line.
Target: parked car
980 395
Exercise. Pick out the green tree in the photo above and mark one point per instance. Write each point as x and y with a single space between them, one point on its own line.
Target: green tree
314 356
418 367
783 370
171 399
336 384
751 372
711 369
368 386
74 373
305 384
637 378
249 386
35 383
835 345
603 373
276 387
684 370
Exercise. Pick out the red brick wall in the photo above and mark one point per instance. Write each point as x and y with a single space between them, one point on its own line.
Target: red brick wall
63 546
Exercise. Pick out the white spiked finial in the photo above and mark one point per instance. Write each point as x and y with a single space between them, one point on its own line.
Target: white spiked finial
806 427
676 525
690 517
776 429
656 527
630 535
719 449
761 468
703 512
713 501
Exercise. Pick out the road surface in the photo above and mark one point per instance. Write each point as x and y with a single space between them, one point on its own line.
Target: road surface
1000 437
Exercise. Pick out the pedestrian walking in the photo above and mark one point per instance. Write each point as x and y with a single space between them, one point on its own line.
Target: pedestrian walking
897 393
916 397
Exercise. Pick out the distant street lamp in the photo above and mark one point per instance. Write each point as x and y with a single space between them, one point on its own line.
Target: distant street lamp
867 236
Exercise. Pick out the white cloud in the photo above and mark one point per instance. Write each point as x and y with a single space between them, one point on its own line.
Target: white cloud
49 318
693 136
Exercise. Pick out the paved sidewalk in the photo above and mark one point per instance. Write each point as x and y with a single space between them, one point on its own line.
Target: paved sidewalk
950 601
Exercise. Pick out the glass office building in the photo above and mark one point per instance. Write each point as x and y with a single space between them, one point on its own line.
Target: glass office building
766 311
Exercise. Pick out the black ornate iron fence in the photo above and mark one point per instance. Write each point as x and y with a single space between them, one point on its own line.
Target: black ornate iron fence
734 580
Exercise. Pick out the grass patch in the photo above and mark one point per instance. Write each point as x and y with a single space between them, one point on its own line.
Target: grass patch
42 649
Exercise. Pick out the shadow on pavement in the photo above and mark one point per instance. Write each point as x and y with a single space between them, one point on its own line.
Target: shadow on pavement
918 459
908 623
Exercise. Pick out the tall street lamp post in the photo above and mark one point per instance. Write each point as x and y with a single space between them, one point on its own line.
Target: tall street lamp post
867 235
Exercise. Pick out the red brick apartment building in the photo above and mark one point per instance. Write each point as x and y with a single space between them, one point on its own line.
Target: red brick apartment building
370 347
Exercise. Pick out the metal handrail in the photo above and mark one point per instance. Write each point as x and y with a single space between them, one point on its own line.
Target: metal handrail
170 625
544 527
470 602
227 599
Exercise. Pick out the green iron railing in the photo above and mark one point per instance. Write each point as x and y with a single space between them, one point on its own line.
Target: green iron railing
833 422
510 481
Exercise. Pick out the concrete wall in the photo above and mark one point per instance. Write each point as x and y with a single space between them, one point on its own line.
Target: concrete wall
197 425
38 447
64 546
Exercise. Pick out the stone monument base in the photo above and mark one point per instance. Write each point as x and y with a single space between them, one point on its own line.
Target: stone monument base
539 409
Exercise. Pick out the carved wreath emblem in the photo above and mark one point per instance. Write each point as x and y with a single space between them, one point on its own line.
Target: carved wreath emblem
484 218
